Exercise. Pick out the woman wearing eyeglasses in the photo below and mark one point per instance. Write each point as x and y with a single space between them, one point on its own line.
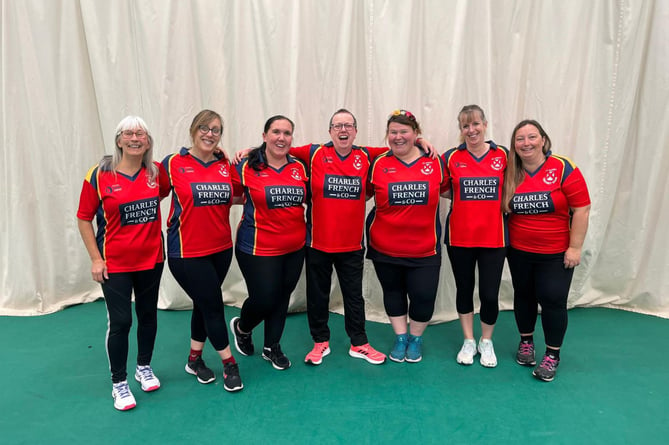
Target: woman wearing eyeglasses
270 238
404 233
123 193
199 241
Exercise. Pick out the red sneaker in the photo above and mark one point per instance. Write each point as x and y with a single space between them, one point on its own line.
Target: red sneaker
368 353
315 357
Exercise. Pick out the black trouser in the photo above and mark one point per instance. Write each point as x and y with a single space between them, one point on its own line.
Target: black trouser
543 279
202 278
490 264
419 284
117 291
270 280
319 278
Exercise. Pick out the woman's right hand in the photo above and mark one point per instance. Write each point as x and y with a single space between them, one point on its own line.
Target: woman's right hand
99 271
241 154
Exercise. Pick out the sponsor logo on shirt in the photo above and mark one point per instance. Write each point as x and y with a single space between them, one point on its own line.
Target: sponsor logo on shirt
532 203
460 164
408 193
389 170
551 176
139 212
186 170
113 188
210 193
479 189
342 187
280 196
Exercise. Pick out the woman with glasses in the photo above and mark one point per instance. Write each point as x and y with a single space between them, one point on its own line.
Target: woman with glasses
123 193
199 240
476 230
404 233
270 238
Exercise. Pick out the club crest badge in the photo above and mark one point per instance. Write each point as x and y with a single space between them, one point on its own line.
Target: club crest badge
427 168
550 177
223 171
295 174
357 162
496 163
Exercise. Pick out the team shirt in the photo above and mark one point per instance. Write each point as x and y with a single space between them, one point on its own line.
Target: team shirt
273 218
405 220
199 219
540 215
127 212
337 189
475 218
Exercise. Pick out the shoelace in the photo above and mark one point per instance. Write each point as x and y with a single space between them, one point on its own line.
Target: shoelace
548 363
146 372
123 390
526 348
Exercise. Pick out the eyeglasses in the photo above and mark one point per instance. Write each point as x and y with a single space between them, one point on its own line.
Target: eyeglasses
128 134
340 127
215 130
406 113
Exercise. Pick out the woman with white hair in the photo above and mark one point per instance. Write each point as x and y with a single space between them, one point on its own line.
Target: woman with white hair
123 193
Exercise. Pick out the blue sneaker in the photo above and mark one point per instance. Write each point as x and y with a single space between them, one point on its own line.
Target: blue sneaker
415 349
400 348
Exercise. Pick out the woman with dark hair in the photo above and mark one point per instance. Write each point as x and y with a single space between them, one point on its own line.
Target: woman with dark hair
476 230
123 193
199 241
270 238
404 233
549 205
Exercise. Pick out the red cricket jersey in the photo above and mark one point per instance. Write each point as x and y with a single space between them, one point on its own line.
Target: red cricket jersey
475 218
273 219
199 219
337 188
540 216
127 211
405 220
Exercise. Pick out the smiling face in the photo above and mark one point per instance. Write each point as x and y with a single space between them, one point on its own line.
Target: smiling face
529 145
472 128
343 132
401 139
206 143
133 142
278 138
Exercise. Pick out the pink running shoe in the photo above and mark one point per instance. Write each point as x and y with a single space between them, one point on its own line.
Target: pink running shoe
368 353
315 357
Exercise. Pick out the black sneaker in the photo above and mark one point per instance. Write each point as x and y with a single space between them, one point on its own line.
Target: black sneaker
231 380
199 369
546 369
525 354
274 355
243 342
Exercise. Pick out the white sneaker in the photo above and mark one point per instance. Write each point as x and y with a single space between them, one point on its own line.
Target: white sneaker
144 375
467 352
488 358
123 398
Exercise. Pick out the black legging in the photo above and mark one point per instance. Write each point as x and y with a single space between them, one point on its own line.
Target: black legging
270 280
419 284
202 278
490 264
117 291
543 279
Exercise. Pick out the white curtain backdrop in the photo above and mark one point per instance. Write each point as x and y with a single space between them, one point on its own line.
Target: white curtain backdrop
594 73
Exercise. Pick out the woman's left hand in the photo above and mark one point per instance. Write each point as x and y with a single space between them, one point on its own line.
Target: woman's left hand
572 257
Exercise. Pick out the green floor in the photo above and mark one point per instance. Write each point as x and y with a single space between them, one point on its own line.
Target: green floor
612 387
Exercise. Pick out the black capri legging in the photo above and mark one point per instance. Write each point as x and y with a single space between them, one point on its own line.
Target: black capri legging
270 280
490 264
543 279
202 278
419 284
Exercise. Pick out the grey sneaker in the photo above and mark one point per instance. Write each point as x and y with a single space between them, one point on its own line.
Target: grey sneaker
546 370
488 358
525 354
467 352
